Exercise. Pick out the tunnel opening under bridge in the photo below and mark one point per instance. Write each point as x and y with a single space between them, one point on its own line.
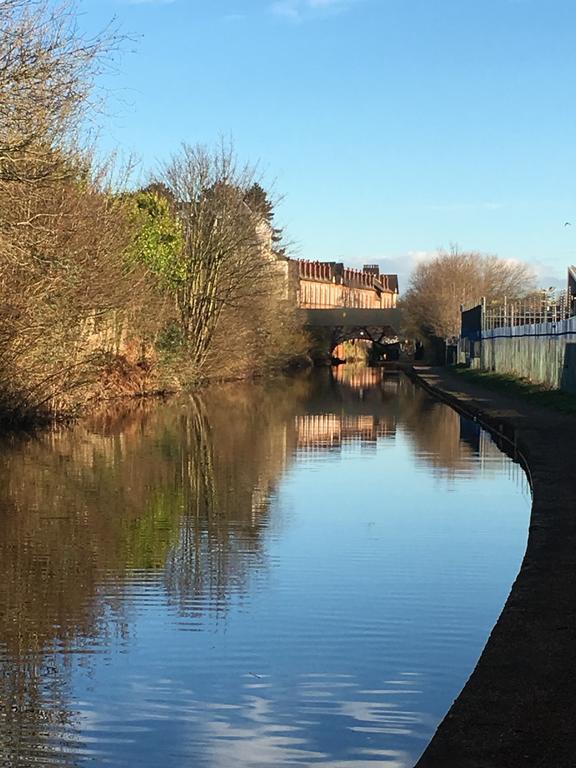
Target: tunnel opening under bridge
330 329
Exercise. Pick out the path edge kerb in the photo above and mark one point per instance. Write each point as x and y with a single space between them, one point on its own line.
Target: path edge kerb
518 708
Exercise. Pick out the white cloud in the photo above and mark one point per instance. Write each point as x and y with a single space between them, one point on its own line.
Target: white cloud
325 3
487 205
401 265
404 265
150 2
288 9
550 274
297 10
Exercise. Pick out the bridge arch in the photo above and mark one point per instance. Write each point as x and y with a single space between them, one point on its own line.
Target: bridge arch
331 327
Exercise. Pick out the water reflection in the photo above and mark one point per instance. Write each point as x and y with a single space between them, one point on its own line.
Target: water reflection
190 574
363 405
172 490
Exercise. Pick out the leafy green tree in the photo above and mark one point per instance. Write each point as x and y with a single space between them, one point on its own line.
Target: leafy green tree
158 242
205 229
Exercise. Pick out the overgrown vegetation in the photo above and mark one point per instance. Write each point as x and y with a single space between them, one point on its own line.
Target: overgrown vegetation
535 394
226 272
105 291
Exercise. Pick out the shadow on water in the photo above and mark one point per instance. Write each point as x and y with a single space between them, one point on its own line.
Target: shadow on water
178 494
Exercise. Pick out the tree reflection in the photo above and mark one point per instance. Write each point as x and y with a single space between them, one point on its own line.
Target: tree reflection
234 445
178 496
443 438
182 491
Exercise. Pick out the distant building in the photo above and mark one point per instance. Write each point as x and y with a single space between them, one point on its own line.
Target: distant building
327 284
330 285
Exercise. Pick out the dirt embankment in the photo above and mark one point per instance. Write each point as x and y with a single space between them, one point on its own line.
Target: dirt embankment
519 706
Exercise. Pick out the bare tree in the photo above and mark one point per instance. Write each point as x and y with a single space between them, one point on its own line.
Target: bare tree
67 297
64 290
47 71
226 261
71 304
438 288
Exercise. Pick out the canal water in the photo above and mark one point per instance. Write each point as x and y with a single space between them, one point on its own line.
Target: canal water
293 574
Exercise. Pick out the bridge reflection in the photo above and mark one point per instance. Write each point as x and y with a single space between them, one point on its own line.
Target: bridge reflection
352 416
329 431
356 404
361 377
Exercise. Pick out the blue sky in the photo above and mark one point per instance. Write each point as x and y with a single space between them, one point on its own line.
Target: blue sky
392 127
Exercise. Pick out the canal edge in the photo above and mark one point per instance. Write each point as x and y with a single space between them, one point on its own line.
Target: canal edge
504 432
517 708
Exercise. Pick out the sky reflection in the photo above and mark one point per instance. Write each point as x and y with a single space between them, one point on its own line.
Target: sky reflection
285 574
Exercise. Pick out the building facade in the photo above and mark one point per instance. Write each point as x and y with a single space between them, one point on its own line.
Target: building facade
331 285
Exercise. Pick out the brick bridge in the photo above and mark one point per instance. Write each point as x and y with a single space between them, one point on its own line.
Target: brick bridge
341 304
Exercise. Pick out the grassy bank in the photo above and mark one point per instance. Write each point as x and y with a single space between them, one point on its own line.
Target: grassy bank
535 394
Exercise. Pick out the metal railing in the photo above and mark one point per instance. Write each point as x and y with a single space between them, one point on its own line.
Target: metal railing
542 307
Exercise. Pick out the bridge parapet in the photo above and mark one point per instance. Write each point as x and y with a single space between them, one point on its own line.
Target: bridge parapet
350 318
